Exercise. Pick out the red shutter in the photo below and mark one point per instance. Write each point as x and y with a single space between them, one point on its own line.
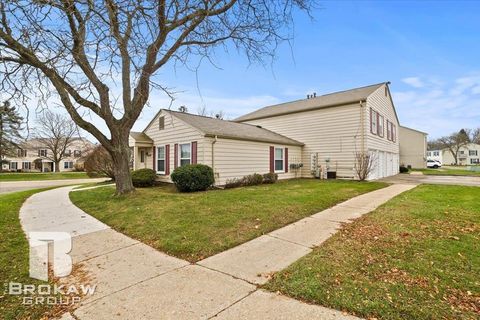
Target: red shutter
286 159
272 159
371 120
154 151
175 156
167 159
194 152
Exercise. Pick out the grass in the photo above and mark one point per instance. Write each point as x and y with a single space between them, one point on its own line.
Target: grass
33 176
449 172
196 225
416 257
14 258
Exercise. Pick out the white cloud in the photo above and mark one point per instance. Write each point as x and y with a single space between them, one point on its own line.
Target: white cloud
415 82
442 107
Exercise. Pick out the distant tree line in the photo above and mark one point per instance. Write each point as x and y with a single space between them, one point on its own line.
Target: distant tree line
455 141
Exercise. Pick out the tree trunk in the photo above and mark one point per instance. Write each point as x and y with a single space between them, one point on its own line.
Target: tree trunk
57 166
121 161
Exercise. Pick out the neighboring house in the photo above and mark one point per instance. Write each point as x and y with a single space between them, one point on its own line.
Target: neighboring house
467 155
292 139
413 148
436 155
33 156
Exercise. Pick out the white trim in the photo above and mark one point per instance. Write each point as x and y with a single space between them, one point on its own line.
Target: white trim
179 156
275 159
164 159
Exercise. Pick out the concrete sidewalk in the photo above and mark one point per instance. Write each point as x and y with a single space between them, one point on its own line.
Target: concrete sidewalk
134 281
257 259
14 186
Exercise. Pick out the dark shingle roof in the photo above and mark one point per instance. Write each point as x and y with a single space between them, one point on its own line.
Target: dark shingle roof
327 100
232 130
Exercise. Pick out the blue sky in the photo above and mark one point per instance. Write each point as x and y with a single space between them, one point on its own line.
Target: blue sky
428 50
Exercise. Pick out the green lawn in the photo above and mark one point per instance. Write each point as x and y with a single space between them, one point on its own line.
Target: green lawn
416 257
449 172
14 258
42 176
196 225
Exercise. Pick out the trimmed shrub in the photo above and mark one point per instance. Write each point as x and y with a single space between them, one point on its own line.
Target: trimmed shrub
193 177
403 169
143 178
233 183
252 179
270 178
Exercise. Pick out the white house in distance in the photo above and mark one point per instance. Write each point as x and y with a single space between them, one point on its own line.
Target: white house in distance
33 156
292 139
467 155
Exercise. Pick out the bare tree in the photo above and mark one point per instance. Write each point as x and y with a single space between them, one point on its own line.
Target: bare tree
475 136
455 142
99 57
203 111
56 132
364 165
99 163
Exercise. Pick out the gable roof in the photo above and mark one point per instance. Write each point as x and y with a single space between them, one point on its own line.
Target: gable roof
227 129
414 130
140 137
323 101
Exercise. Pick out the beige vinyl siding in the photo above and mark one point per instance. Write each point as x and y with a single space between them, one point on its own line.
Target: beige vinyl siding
381 102
176 131
413 148
334 133
238 158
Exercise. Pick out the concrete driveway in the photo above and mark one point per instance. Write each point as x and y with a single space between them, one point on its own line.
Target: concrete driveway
430 179
13 186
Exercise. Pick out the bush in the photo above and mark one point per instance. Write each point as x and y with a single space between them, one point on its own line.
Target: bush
193 177
143 178
403 169
99 163
233 183
270 178
252 179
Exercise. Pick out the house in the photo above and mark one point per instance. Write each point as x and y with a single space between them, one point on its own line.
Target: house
467 155
295 139
413 148
436 155
34 156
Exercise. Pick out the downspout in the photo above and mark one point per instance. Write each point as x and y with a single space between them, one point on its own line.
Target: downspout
213 155
362 126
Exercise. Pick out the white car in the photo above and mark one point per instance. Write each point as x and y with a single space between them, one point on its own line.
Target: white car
433 164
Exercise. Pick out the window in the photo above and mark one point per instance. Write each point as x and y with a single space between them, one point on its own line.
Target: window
436 153
472 152
67 153
42 152
279 159
462 152
21 153
77 153
26 165
13 165
161 159
161 123
185 154
373 121
68 165
380 131
142 156
475 161
394 133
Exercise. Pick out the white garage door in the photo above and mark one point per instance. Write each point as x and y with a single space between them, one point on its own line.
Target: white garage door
385 164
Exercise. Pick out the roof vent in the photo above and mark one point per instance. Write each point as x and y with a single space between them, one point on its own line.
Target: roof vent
313 95
183 109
